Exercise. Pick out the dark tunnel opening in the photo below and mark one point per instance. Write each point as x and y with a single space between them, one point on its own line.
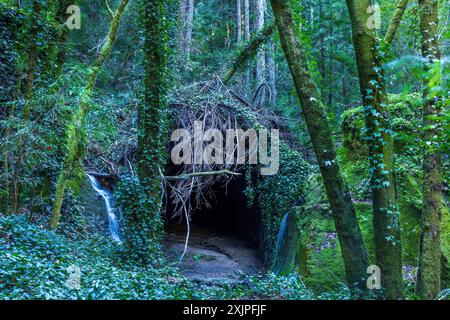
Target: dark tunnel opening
225 214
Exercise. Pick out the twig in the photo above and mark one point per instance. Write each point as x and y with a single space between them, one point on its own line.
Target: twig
109 9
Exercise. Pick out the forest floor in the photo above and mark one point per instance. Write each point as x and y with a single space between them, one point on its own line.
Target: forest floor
212 257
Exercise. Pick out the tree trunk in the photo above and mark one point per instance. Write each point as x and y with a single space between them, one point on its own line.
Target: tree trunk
75 130
246 20
28 95
152 113
32 59
350 238
271 68
260 57
429 273
330 70
186 24
322 49
395 22
247 40
248 51
385 211
238 21
61 18
189 26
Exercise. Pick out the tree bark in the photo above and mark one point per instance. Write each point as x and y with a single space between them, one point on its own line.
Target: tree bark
272 72
238 21
186 25
247 40
430 255
248 51
395 21
75 129
61 18
350 238
246 20
385 211
260 57
28 95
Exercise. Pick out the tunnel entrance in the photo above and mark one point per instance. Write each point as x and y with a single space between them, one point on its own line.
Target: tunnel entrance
224 235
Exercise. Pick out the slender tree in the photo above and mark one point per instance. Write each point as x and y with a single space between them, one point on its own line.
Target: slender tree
75 129
429 273
246 20
238 21
186 25
395 21
247 39
28 95
272 71
260 58
63 35
350 238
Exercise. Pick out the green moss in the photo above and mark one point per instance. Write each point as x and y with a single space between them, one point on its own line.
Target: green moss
406 119
406 122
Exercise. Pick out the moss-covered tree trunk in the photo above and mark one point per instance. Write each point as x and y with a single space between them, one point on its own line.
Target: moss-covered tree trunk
372 86
248 51
395 21
429 273
75 129
152 113
350 238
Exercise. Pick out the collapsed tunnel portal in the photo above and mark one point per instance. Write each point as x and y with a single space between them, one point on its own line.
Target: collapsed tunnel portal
226 213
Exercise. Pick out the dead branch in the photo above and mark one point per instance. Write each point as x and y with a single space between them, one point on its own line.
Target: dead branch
201 174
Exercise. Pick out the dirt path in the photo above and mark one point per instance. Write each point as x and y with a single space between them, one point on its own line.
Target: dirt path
211 257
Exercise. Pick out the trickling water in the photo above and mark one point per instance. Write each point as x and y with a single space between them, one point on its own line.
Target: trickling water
281 233
113 222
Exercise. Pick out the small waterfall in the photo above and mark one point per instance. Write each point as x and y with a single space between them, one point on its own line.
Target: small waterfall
281 235
287 245
113 222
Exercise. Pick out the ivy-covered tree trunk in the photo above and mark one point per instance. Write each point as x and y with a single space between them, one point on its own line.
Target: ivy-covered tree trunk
63 35
75 129
429 273
372 86
152 113
350 238
28 95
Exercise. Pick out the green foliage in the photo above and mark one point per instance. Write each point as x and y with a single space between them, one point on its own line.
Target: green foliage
406 120
34 262
11 20
142 225
276 194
